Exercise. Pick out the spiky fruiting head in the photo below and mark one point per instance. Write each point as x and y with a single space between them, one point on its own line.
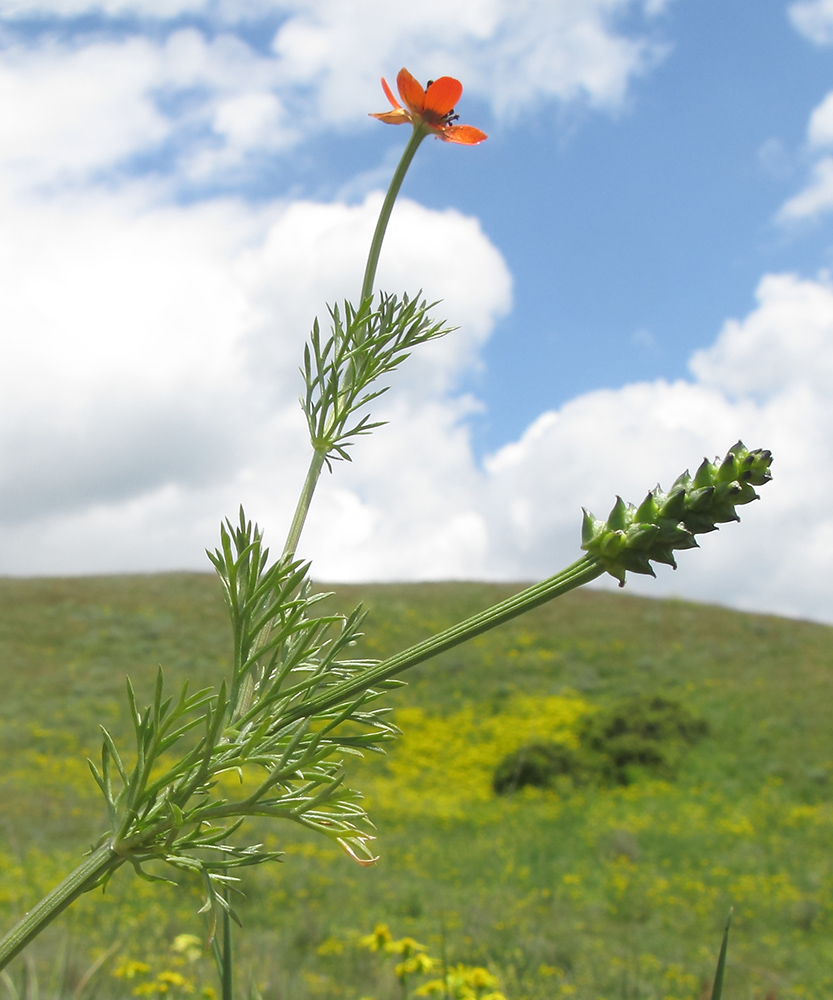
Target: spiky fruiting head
632 536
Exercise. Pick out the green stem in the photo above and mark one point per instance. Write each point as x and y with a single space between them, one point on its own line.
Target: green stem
318 457
717 989
582 571
304 500
417 136
228 962
105 860
85 877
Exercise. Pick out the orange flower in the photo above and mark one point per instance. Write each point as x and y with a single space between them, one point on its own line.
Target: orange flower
431 109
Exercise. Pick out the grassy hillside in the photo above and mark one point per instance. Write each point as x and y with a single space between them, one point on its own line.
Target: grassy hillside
590 890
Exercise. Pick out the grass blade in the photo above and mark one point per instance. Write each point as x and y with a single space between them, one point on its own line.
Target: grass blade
717 989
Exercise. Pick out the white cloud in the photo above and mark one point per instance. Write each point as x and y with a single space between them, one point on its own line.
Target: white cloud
65 112
414 504
813 19
149 382
766 379
511 54
785 342
96 102
72 112
816 197
820 128
246 118
120 405
14 9
107 390
418 495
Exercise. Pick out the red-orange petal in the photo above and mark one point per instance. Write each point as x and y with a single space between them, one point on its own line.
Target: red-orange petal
389 94
467 135
396 116
411 92
442 95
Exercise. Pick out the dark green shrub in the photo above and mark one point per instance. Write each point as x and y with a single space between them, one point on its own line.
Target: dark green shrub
537 764
643 732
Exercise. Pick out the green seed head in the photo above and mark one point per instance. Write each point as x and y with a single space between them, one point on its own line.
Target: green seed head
632 536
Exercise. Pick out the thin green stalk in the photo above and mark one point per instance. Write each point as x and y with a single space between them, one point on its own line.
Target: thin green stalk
304 500
387 207
228 958
579 573
318 458
105 860
717 989
85 877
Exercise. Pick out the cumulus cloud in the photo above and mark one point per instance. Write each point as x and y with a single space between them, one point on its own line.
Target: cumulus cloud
816 197
150 383
200 106
813 200
511 54
150 377
79 112
814 19
107 388
24 9
64 112
109 479
820 128
110 393
765 379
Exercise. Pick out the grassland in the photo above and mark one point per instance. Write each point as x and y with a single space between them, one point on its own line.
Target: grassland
589 892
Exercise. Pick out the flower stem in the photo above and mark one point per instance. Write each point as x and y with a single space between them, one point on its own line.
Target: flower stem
85 877
582 571
417 136
228 961
304 500
317 462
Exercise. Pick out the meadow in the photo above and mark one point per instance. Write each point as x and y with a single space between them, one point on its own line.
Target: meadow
591 891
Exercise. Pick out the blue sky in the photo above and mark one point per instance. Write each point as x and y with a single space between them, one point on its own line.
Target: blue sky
637 260
632 235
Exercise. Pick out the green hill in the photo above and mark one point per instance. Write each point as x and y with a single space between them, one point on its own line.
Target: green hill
590 889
